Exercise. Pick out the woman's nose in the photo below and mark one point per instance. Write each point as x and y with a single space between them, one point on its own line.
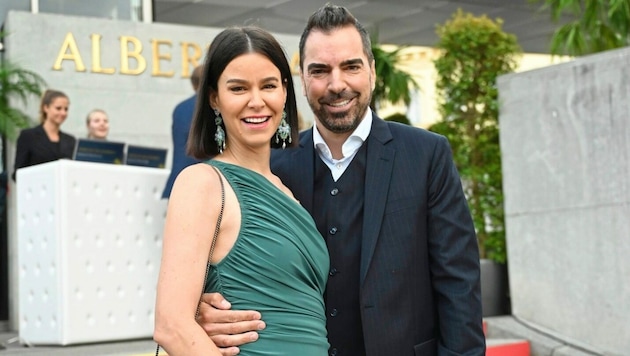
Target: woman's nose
256 99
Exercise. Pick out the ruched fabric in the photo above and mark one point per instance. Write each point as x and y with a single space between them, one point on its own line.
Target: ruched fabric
278 266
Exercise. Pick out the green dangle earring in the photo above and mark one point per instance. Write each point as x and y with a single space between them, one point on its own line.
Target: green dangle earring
284 131
219 136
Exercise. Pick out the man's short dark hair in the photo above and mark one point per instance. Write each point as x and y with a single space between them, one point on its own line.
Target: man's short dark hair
331 17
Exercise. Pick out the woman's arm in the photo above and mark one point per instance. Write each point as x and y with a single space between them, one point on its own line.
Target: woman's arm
191 217
22 152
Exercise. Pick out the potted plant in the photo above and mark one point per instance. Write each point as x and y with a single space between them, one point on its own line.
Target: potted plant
474 51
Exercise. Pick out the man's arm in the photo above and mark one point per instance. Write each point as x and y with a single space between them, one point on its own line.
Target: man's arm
454 259
227 328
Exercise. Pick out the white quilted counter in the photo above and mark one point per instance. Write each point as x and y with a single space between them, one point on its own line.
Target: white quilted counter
89 247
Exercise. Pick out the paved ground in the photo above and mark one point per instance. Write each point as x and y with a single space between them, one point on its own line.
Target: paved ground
501 327
9 345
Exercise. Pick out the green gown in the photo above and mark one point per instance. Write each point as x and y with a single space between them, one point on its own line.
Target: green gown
278 266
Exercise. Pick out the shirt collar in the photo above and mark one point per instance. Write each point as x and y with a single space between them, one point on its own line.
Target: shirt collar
352 143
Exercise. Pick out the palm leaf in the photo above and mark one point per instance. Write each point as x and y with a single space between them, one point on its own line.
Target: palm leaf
392 83
16 85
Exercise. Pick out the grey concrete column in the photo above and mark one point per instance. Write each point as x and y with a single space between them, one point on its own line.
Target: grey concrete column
565 142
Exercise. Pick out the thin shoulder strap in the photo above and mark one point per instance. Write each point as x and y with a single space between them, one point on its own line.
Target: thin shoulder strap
214 238
216 230
214 241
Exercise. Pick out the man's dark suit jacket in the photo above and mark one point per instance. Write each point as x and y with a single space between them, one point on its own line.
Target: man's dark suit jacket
182 119
33 147
420 289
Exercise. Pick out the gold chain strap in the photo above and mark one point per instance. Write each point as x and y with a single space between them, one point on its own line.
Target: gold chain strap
214 242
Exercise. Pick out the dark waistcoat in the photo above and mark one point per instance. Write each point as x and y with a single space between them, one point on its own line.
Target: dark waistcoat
338 212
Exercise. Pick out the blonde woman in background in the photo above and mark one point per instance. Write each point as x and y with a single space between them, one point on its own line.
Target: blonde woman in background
97 124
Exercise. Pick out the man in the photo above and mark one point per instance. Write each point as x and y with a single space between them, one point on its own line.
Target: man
404 277
182 118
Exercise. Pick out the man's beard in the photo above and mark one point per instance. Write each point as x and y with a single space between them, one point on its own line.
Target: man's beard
340 122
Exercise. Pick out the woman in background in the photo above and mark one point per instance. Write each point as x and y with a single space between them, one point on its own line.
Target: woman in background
46 142
97 125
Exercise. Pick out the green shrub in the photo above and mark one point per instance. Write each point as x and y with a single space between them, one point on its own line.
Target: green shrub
474 52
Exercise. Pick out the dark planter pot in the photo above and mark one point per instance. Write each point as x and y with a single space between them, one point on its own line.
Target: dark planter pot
495 290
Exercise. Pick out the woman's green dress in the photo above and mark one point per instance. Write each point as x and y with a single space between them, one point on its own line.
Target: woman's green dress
277 266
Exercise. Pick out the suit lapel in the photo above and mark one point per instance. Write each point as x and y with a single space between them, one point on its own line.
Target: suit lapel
67 142
380 161
304 167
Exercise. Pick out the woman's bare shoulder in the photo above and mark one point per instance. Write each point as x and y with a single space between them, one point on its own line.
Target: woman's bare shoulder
197 179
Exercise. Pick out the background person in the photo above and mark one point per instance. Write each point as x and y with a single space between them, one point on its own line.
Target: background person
388 201
97 124
182 119
268 255
46 142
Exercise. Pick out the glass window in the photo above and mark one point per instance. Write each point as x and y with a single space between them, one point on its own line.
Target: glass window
6 5
110 9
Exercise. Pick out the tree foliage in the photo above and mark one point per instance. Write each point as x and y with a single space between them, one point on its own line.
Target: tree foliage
398 117
392 84
474 51
596 25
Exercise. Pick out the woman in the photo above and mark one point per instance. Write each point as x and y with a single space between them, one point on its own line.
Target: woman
269 255
97 125
46 142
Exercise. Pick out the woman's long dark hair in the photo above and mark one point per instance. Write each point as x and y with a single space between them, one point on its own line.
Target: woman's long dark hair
227 45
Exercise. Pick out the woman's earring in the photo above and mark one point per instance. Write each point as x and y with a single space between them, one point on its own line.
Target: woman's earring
284 131
219 136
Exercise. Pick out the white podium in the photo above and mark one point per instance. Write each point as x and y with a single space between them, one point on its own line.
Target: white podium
89 248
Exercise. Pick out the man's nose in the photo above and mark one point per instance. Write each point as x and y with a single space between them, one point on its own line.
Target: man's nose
337 82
